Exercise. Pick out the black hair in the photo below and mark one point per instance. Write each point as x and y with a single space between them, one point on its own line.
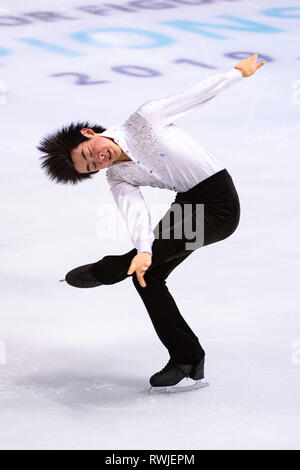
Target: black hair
58 145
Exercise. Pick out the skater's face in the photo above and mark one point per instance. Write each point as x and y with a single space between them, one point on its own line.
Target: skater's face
95 153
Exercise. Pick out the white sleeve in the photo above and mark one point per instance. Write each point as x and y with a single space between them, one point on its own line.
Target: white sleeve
134 211
165 110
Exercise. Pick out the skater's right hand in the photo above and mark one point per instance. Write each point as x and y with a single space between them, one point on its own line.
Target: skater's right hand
248 66
139 264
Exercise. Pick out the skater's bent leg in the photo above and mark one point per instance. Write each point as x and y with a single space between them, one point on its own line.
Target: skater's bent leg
113 269
218 224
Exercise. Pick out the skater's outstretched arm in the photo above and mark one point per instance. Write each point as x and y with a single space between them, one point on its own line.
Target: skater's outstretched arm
165 110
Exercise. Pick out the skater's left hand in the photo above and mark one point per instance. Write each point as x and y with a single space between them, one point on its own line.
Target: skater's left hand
139 264
249 66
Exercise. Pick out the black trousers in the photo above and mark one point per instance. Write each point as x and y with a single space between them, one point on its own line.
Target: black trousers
218 197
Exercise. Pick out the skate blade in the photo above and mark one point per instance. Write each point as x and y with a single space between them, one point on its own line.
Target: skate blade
183 386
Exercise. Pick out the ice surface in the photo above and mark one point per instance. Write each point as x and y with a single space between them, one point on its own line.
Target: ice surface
75 364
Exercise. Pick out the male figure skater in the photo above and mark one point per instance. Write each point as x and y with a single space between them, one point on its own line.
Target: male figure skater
149 149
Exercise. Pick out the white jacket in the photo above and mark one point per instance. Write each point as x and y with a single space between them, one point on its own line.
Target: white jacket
163 155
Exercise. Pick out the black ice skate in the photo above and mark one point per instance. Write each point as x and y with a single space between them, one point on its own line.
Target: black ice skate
82 277
178 377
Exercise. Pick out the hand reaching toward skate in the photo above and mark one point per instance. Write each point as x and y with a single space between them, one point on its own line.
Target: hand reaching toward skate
139 264
248 66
